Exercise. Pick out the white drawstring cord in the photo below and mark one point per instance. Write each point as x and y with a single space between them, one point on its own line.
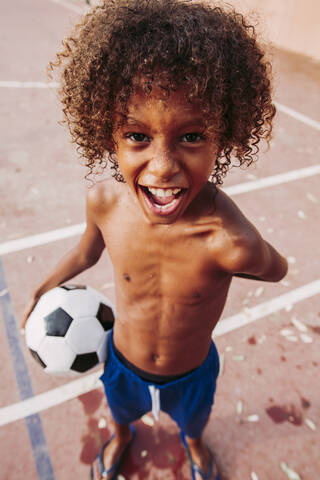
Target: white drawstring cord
155 399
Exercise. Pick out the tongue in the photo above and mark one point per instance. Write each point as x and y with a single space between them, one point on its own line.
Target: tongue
161 200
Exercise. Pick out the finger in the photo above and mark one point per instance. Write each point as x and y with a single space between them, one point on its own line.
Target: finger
23 324
24 320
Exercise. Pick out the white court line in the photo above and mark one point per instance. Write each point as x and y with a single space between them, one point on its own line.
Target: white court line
271 306
54 235
13 84
49 399
89 382
298 116
273 180
41 238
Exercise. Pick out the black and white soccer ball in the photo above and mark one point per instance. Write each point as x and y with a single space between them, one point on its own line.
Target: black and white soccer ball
68 329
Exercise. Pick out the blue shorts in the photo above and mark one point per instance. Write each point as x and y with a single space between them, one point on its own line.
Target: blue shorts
188 400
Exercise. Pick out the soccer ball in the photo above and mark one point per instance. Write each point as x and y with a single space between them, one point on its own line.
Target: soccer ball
68 329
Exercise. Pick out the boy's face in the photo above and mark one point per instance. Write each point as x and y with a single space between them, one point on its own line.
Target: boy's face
164 154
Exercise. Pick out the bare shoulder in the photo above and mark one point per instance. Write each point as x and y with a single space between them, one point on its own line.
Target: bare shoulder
237 243
102 197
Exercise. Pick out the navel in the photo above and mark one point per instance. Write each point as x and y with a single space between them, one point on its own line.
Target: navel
154 357
126 277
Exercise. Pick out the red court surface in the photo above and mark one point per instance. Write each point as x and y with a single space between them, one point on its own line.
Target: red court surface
266 419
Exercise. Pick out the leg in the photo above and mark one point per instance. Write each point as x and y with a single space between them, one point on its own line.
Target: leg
189 402
114 450
128 400
201 457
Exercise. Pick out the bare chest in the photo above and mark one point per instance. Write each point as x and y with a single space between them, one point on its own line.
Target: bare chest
172 262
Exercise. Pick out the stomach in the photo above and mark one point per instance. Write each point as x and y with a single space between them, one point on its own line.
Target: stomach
166 339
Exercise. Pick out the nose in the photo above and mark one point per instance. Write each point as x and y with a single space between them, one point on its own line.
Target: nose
163 164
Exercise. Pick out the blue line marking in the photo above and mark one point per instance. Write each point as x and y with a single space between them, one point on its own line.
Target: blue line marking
34 425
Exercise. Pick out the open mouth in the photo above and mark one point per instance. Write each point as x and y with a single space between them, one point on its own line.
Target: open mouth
162 201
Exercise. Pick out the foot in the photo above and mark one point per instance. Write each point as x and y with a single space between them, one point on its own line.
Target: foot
201 457
111 455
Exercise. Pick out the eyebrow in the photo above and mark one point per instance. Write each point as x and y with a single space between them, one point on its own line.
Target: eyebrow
198 121
130 120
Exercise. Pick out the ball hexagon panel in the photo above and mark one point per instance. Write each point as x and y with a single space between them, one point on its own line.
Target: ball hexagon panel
103 348
35 331
56 354
79 303
84 362
78 335
57 323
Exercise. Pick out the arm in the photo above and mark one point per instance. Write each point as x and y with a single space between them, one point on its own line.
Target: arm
244 253
241 250
270 266
80 258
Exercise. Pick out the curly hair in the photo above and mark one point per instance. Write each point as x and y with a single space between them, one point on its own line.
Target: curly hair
170 43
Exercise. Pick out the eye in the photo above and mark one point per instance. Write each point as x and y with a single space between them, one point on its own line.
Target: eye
192 137
137 137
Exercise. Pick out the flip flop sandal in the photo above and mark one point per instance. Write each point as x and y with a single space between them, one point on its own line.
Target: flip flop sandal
115 467
194 468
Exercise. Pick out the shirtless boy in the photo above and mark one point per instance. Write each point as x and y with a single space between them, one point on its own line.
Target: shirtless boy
167 93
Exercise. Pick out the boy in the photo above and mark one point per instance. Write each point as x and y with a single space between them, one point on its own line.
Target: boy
168 92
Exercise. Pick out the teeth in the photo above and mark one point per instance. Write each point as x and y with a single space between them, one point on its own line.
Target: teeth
161 192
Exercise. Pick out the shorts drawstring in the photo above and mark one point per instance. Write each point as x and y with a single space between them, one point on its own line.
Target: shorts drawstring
155 399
